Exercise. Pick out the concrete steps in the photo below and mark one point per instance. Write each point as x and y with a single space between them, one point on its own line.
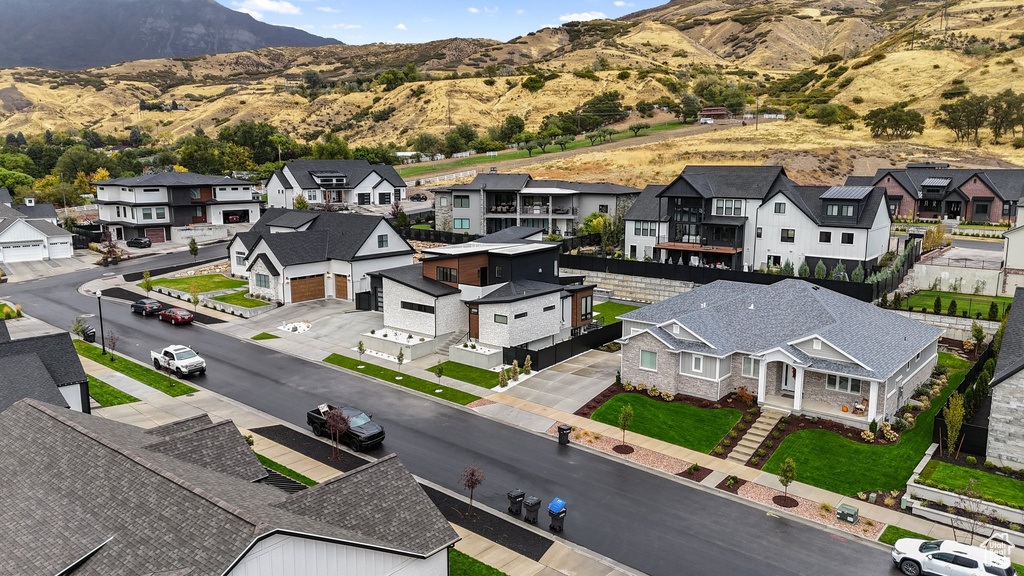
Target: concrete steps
451 341
758 431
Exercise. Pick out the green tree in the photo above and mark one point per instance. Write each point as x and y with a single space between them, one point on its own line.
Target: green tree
787 268
965 117
193 291
466 131
147 282
511 126
10 179
200 155
1005 113
77 159
530 147
331 147
690 106
400 359
261 138
858 273
135 137
454 143
625 419
951 309
426 143
820 270
894 121
17 162
805 270
954 415
439 372
787 474
313 80
193 249
937 306
993 311
300 203
563 141
838 272
978 334
831 114
595 223
637 127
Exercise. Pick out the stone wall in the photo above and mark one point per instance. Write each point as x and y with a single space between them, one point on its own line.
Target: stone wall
958 328
633 288
814 389
1005 434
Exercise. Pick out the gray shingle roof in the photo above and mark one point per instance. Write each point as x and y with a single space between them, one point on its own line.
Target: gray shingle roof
1011 353
518 290
173 179
487 181
511 234
47 228
645 207
1007 184
214 446
293 219
43 210
40 365
158 513
24 376
285 182
355 170
846 192
753 318
728 181
260 226
412 276
5 196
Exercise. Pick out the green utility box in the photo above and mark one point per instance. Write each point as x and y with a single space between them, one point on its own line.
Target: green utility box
847 513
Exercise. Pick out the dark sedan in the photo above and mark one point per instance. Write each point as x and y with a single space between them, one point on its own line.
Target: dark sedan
176 316
362 431
146 306
140 242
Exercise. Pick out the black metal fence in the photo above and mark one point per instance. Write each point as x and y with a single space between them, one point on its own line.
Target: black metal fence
973 438
562 351
92 232
436 236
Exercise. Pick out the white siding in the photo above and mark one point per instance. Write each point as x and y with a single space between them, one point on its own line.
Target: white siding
281 555
234 248
644 244
72 395
395 242
215 215
277 195
536 326
359 279
21 231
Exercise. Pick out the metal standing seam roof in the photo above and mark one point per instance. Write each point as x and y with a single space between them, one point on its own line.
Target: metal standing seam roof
943 182
847 192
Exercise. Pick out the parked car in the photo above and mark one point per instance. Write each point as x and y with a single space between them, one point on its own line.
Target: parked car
915 557
139 242
362 431
706 121
232 218
176 316
418 197
181 360
146 306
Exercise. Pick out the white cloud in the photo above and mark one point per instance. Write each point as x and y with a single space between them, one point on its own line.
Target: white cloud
252 13
582 16
328 9
622 4
343 26
401 27
254 7
520 11
473 10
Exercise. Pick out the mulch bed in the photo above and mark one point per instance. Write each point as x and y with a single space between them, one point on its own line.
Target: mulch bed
697 476
785 501
797 423
597 401
735 488
122 294
623 449
494 528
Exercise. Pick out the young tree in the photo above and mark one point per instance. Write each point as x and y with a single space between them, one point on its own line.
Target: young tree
593 137
471 478
787 268
625 419
527 366
515 370
193 249
530 147
112 340
787 474
976 513
978 334
337 425
300 203
502 378
839 272
993 311
361 348
637 127
937 305
951 309
858 273
439 371
954 415
805 270
147 282
400 359
820 270
563 141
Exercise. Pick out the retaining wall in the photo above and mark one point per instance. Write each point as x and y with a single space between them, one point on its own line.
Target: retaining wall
485 360
957 327
635 288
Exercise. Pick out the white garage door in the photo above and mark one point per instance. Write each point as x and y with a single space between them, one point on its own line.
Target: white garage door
22 252
60 248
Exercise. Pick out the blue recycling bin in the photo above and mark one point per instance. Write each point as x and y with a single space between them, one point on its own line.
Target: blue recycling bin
556 510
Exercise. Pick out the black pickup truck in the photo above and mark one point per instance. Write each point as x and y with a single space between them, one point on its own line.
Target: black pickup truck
362 431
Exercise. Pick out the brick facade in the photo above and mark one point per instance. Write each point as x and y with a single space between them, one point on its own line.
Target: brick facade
978 192
908 202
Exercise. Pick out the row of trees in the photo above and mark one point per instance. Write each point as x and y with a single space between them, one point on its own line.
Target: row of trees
821 271
1002 114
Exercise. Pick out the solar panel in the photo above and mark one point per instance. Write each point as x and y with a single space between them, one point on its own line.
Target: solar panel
847 192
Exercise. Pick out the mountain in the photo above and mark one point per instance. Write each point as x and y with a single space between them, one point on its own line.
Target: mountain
74 34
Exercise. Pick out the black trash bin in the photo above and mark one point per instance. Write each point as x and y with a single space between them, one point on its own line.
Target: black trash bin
563 434
89 334
515 501
532 505
556 510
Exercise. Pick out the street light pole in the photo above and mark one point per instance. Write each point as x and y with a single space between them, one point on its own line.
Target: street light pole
103 338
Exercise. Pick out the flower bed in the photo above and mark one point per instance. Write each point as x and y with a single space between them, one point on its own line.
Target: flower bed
811 510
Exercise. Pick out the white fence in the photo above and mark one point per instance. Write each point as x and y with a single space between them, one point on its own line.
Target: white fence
423 181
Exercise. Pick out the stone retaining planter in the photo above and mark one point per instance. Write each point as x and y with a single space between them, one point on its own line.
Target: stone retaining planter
485 358
1015 538
234 310
921 492
412 348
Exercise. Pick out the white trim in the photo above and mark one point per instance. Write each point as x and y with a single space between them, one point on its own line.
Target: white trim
780 350
691 332
693 363
641 366
836 348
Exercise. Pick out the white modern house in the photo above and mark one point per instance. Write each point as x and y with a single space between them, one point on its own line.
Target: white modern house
801 348
298 255
341 182
26 239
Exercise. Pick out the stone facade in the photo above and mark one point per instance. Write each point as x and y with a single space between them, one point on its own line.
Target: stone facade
269 292
1005 433
632 288
814 389
667 377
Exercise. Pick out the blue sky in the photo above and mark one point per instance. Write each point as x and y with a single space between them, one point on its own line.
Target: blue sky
362 22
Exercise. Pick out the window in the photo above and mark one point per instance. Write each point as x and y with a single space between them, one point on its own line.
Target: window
549 308
197 211
729 207
311 195
966 562
498 270
981 210
847 210
780 207
751 367
462 223
825 237
636 228
417 307
239 258
843 384
442 201
586 308
602 208
460 201
520 315
648 360
262 281
832 210
382 241
161 213
758 232
698 363
720 207
147 213
918 357
847 238
775 260
447 274
1006 208
788 235
500 319
816 344
383 198
194 193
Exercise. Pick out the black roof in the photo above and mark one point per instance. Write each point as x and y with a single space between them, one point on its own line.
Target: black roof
412 276
587 187
44 210
519 290
488 181
808 200
262 225
1011 353
1005 183
266 262
755 182
173 179
645 207
329 236
5 196
285 182
36 366
355 170
511 234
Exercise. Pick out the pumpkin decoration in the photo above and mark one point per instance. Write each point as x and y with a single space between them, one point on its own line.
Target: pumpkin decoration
846 408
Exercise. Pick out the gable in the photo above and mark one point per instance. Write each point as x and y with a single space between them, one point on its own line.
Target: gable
825 350
21 231
396 244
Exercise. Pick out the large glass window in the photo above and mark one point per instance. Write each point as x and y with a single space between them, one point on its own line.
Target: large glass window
194 193
445 274
648 360
460 201
462 223
751 367
843 384
586 308
262 281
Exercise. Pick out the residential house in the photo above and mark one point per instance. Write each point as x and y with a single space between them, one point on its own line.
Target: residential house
499 291
43 367
24 238
149 205
493 202
1005 434
352 182
800 347
190 497
30 208
646 225
936 191
715 113
297 255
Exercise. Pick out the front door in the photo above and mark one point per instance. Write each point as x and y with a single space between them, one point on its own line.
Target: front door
788 379
953 209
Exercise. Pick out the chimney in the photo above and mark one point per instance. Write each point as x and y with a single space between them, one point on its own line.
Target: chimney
30 201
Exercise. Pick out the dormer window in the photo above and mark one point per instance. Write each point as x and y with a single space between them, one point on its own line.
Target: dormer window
847 210
832 210
675 328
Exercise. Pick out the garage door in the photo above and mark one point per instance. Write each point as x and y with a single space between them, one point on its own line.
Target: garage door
156 235
22 252
341 287
60 248
308 288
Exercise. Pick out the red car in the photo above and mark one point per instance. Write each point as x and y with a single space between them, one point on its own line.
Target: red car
176 316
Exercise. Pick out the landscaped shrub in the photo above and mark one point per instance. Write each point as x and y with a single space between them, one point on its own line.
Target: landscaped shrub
733 433
755 460
726 442
668 396
972 460
867 436
719 450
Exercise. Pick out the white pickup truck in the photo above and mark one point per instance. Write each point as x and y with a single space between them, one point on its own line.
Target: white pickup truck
181 360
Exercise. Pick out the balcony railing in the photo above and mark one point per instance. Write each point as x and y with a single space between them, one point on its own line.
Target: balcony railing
564 210
535 210
502 209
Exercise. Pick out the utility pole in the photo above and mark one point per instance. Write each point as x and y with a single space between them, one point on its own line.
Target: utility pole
757 107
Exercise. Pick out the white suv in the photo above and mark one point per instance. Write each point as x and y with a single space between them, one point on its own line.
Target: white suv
946 557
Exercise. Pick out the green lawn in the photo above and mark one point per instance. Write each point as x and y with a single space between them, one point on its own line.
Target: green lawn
239 299
984 227
159 380
699 429
460 564
470 374
991 486
609 311
286 471
421 226
264 336
207 283
381 373
970 303
107 395
832 462
893 533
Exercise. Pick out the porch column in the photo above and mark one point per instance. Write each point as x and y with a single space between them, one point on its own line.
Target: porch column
798 393
873 401
762 380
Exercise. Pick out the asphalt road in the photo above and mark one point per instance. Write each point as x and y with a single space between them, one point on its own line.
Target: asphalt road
641 519
991 245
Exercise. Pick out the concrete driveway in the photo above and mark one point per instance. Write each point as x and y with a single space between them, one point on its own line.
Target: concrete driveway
21 271
332 322
571 384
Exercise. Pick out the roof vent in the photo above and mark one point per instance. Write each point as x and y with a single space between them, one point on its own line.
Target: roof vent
30 201
703 304
751 307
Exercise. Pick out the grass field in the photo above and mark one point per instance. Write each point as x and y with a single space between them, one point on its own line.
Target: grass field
893 533
827 460
264 336
206 282
609 311
159 380
239 299
389 375
471 374
969 303
421 226
286 471
699 429
460 564
107 395
991 486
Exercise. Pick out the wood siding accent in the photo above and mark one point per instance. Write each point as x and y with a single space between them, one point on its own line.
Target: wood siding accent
308 288
205 194
468 268
474 321
577 307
